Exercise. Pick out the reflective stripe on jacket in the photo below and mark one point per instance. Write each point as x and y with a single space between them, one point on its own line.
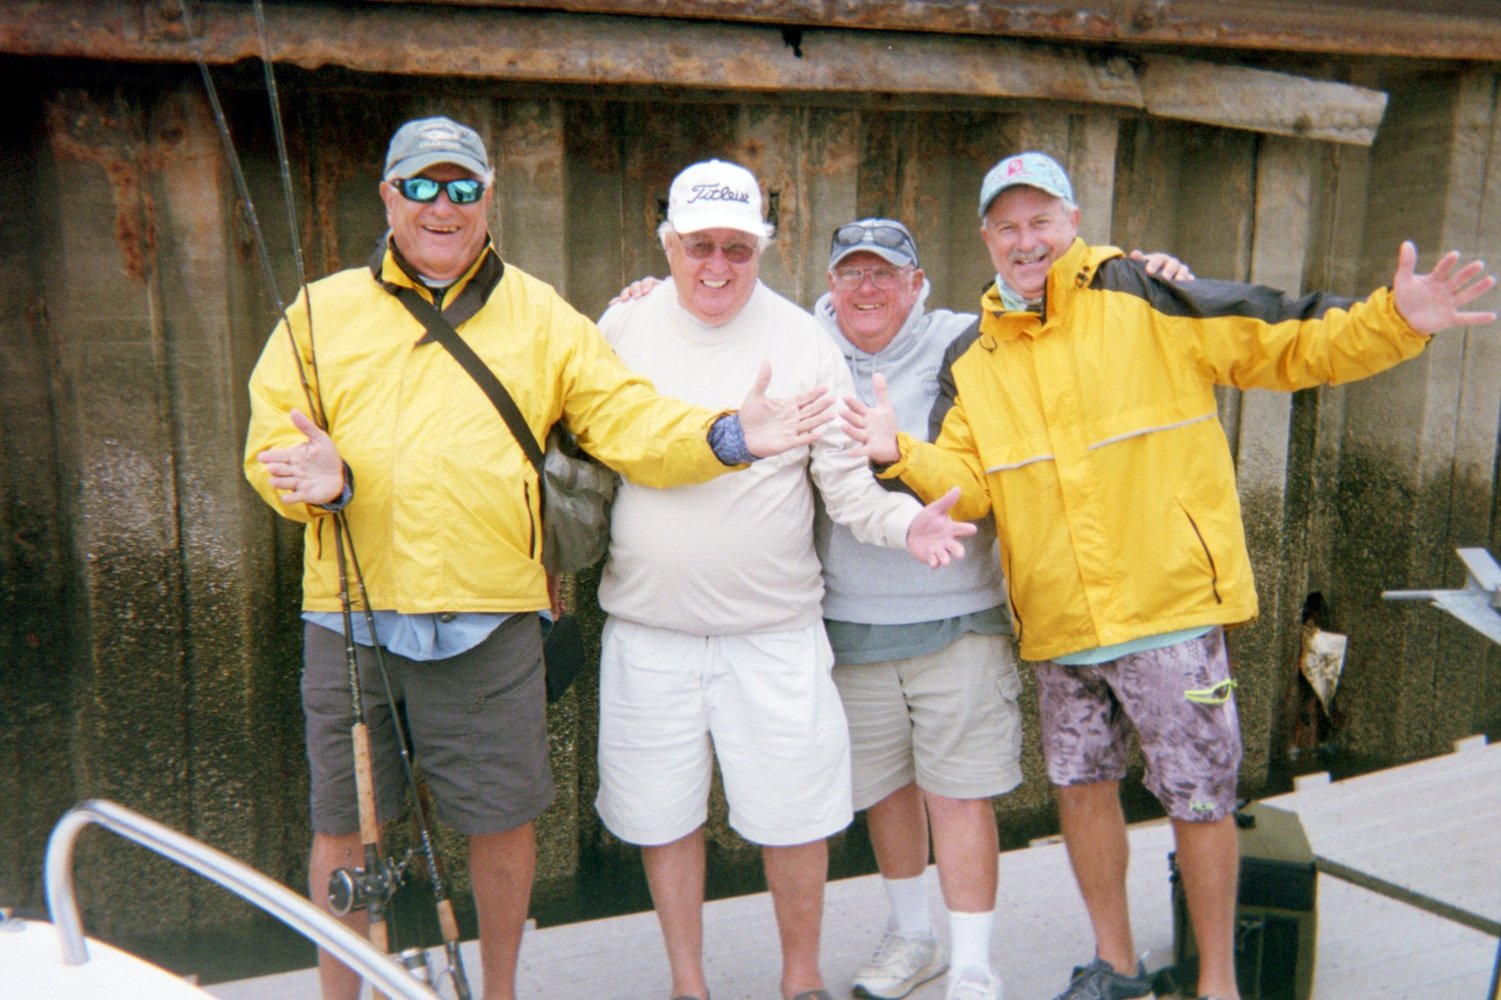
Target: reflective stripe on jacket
1091 430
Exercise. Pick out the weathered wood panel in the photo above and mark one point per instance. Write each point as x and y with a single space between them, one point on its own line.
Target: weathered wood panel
643 51
1259 101
119 460
1440 29
1285 175
530 191
37 576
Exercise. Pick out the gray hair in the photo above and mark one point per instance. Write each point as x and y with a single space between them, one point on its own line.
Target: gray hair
1068 206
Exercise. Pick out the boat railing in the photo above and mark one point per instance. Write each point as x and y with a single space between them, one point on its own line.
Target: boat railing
380 970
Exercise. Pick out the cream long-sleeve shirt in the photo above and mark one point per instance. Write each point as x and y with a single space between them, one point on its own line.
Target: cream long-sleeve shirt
736 554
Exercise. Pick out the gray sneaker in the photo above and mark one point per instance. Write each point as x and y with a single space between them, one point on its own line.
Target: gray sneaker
1099 981
975 984
899 966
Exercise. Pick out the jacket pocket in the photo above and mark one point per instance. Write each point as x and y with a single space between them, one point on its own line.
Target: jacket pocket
532 517
1214 576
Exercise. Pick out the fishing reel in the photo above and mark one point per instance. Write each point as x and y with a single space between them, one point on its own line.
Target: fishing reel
369 888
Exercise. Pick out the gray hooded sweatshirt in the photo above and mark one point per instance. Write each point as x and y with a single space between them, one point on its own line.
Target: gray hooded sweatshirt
868 585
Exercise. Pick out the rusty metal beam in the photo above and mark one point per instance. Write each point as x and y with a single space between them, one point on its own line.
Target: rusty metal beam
569 49
558 48
1434 29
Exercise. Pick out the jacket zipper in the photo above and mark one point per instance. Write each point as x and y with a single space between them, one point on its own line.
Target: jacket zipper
1010 602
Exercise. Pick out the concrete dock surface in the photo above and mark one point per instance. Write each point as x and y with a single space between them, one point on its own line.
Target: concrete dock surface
1432 827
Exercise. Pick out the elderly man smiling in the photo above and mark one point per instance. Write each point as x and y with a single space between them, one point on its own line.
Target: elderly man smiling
714 635
1081 412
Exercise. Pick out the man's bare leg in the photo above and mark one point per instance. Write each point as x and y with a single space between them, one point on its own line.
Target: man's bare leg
1209 862
330 852
795 876
675 874
501 866
898 827
966 849
1094 829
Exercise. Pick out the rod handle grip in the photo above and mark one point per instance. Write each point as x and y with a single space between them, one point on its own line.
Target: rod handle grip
364 784
447 922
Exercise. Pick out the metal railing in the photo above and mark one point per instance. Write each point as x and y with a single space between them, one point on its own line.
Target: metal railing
1428 904
381 970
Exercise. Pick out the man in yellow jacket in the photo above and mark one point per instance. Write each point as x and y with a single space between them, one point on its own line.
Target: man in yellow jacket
1080 409
446 513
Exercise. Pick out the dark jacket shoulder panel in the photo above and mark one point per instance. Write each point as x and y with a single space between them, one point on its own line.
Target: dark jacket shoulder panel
948 391
1206 298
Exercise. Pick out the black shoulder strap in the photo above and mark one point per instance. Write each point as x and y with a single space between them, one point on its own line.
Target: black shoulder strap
443 332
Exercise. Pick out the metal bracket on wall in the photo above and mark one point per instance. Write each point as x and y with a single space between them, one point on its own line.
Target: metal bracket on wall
1478 605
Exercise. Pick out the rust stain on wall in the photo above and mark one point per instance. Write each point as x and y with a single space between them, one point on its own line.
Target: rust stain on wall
109 135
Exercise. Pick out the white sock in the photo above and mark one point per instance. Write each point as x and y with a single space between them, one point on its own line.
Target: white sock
969 940
909 906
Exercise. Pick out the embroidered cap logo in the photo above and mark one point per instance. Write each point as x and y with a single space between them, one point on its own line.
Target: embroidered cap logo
439 137
717 192
714 194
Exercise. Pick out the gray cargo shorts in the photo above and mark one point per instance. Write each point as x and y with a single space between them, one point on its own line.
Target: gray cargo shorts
477 722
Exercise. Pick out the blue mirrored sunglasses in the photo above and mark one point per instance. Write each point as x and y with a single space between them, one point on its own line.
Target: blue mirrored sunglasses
464 191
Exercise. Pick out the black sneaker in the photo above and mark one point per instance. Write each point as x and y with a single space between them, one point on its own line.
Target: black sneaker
1099 981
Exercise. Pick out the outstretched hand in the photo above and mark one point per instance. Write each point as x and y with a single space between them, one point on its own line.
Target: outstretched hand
933 537
311 472
773 425
872 428
1432 302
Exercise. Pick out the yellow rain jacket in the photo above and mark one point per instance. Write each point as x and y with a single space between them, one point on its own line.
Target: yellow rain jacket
445 512
1091 430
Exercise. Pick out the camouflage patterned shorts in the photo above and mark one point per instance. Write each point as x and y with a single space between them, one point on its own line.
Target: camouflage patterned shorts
1180 700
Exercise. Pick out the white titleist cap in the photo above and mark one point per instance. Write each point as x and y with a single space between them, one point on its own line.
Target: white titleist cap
716 195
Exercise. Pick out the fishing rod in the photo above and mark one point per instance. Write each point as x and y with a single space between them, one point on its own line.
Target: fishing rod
376 882
373 886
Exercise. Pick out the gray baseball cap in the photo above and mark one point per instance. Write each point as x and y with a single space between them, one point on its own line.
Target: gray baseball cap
421 143
1032 169
886 238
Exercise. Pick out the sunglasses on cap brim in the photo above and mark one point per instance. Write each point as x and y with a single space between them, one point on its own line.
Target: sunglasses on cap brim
881 234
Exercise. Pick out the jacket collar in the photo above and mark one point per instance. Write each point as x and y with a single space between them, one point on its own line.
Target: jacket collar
460 300
1069 274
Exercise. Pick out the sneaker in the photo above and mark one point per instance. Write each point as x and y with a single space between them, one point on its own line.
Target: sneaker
975 984
899 966
1099 981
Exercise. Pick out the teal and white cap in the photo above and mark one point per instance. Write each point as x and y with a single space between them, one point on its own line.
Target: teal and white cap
1031 169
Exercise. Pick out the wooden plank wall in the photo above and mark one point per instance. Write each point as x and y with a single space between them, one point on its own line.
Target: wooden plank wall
151 646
